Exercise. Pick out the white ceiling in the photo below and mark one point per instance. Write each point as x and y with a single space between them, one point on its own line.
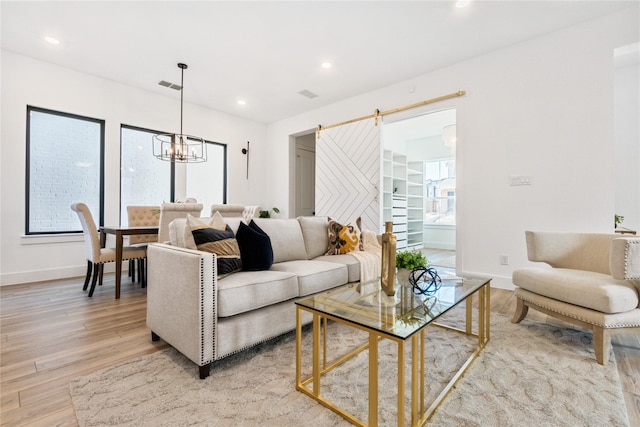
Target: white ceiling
266 52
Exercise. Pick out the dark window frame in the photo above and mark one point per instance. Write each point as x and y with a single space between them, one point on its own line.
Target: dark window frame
225 148
102 123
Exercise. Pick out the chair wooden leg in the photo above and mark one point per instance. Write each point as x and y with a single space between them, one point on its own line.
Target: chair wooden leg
132 270
140 263
101 268
521 311
143 270
96 273
601 344
86 279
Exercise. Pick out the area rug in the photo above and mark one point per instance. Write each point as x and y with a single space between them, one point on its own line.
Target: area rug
529 374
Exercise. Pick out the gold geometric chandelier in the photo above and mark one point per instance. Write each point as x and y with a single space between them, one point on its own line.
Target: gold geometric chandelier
179 147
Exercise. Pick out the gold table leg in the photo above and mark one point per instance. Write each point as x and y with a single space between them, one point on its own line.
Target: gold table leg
373 379
298 347
400 383
316 354
415 379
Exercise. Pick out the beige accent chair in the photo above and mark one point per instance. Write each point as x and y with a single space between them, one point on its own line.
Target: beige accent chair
235 211
141 216
97 256
171 211
593 282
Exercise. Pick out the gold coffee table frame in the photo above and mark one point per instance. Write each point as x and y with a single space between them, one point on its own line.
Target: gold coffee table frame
331 305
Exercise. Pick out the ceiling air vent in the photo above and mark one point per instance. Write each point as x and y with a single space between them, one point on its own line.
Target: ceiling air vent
169 85
308 94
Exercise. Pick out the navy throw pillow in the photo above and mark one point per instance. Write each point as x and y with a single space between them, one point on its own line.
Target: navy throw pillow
256 252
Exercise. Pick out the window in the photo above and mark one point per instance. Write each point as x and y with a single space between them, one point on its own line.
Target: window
147 181
440 187
207 181
65 164
144 180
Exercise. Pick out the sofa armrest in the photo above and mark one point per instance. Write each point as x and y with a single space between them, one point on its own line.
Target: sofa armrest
624 260
181 299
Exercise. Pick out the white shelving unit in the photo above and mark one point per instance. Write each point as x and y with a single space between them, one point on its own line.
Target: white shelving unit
402 198
415 204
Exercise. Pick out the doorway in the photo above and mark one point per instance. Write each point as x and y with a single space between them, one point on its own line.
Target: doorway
428 144
305 175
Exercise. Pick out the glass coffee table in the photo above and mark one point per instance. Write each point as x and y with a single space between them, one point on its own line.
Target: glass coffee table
403 319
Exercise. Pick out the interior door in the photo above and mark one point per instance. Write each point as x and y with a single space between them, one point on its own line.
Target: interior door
348 173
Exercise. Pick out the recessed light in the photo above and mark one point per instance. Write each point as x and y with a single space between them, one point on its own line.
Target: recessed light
51 40
242 102
326 65
462 3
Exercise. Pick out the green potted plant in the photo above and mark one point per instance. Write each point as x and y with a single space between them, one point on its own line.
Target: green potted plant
617 219
267 214
406 261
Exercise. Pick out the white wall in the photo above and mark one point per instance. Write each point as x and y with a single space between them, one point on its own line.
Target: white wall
541 108
627 147
26 81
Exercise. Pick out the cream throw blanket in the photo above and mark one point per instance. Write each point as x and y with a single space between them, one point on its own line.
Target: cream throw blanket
370 258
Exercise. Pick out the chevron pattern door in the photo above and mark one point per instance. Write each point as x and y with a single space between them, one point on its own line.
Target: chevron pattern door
348 173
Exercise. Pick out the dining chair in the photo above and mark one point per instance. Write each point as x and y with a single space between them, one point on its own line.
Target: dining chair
171 211
235 210
141 216
97 256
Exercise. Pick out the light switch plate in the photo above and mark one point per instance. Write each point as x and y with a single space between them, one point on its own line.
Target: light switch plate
520 180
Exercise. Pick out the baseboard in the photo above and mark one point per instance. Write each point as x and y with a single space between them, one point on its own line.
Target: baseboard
499 282
51 274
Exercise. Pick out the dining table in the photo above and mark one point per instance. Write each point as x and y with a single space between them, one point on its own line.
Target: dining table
119 231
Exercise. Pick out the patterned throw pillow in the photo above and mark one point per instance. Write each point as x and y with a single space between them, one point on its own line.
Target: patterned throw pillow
344 238
220 242
217 221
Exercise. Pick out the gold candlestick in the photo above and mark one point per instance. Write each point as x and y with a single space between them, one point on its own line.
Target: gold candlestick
388 270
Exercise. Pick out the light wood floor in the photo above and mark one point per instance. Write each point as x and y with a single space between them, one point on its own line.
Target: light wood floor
51 332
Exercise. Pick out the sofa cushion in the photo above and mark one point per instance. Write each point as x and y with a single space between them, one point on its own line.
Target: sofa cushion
588 289
352 264
315 233
314 276
220 242
344 238
255 247
248 290
286 238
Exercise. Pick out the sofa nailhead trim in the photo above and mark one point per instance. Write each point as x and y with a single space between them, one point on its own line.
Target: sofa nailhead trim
626 261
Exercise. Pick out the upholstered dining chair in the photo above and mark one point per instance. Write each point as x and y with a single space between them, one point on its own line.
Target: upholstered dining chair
141 216
171 211
235 210
97 256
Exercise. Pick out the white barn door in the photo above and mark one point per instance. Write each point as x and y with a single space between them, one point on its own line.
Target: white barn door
348 173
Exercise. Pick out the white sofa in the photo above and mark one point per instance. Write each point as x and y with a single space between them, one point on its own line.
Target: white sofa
207 318
593 282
